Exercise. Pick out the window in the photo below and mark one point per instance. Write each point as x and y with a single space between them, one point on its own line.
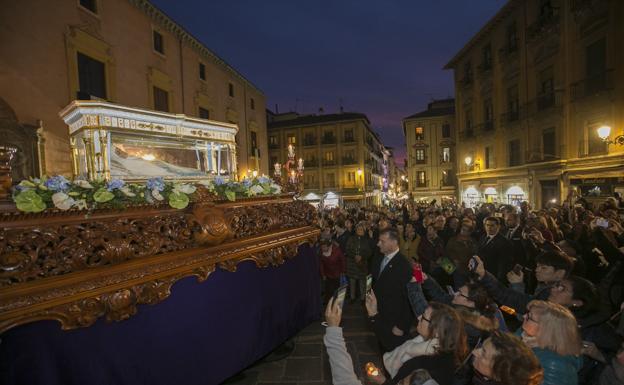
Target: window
595 66
231 90
447 178
488 114
309 139
549 143
91 77
446 154
273 141
351 176
468 122
546 95
159 43
467 72
420 155
487 57
488 157
329 156
513 112
252 104
255 151
330 179
446 130
420 135
91 5
348 135
202 71
595 145
512 38
421 179
204 113
514 153
161 100
292 139
546 9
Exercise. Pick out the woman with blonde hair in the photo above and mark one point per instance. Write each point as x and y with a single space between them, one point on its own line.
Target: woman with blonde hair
551 331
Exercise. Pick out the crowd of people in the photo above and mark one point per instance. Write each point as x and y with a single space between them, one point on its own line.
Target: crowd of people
494 295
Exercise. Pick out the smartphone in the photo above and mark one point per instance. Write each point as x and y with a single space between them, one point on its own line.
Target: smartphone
369 283
418 273
518 269
602 222
340 294
472 264
371 369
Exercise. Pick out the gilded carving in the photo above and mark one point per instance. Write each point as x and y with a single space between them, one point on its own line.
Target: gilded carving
79 268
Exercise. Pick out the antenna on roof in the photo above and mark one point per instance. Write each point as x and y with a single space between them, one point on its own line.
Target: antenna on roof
340 105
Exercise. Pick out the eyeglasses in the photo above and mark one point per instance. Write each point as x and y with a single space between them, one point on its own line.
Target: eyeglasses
462 295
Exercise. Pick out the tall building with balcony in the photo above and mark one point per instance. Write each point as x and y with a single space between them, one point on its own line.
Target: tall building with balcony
431 155
532 87
343 157
122 51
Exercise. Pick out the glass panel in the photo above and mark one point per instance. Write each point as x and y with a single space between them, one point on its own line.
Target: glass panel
134 157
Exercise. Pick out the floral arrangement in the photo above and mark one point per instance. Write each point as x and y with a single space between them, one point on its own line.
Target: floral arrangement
35 195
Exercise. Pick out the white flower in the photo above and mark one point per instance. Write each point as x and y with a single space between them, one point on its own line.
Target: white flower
184 188
62 201
277 188
82 183
156 194
256 189
81 204
126 191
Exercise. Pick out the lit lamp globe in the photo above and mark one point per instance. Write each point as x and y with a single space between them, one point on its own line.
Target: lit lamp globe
468 160
604 132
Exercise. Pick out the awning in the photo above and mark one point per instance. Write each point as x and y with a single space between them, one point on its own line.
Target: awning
515 190
490 191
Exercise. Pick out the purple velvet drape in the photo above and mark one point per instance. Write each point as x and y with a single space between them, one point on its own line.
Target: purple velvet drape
202 334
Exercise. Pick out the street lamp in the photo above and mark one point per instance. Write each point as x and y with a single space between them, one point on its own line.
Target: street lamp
468 161
605 131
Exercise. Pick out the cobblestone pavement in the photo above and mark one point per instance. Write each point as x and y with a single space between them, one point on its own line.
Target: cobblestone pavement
308 364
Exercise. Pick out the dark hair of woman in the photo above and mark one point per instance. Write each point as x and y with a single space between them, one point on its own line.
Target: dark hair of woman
586 292
447 326
482 300
515 363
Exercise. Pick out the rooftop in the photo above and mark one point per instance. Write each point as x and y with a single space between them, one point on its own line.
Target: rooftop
440 107
291 119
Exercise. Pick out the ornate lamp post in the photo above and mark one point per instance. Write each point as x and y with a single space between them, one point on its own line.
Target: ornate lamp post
605 131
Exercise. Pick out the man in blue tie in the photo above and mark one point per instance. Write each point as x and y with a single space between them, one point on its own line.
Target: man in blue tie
392 272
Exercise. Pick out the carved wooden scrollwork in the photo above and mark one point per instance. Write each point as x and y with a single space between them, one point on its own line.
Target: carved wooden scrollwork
76 269
75 242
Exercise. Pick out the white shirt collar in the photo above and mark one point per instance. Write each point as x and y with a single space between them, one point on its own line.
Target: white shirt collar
391 255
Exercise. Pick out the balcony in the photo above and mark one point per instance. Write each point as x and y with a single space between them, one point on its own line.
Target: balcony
348 139
586 11
274 146
486 127
448 182
328 163
544 26
508 52
329 139
467 134
593 86
420 161
536 155
510 117
545 102
309 141
348 161
310 163
485 69
466 81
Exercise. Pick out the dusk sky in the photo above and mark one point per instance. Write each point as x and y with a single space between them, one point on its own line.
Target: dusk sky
383 58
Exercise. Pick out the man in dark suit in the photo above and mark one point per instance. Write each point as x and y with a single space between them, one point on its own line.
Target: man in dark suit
513 232
391 273
495 250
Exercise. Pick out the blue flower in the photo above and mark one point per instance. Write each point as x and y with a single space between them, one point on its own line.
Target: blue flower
157 184
115 184
218 181
264 179
57 183
247 182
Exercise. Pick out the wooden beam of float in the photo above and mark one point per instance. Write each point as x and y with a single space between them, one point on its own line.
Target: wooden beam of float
114 141
75 267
